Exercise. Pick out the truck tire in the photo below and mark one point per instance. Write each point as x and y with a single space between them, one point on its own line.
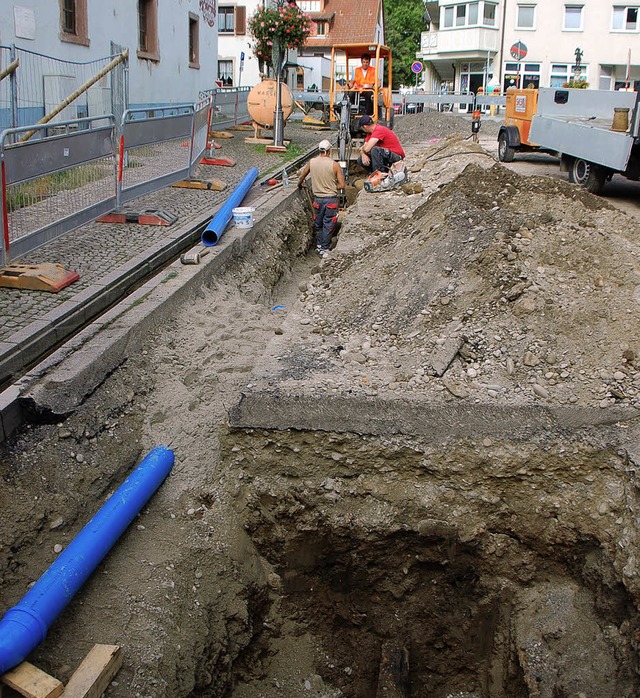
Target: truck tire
587 175
505 151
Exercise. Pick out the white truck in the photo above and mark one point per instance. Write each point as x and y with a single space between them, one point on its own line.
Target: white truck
595 132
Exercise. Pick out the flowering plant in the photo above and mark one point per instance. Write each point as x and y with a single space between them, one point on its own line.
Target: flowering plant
287 26
580 83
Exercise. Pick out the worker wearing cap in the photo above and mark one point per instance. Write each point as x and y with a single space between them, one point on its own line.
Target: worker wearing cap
381 146
327 179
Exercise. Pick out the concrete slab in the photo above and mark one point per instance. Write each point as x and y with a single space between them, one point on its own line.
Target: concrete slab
439 422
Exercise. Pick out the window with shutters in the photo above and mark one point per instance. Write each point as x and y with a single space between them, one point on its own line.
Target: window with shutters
73 22
232 20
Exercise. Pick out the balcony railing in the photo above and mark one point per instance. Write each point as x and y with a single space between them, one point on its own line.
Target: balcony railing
463 41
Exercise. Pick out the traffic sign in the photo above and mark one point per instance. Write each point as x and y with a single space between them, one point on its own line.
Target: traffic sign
518 51
416 67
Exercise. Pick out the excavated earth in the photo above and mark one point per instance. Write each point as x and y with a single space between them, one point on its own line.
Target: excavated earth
406 470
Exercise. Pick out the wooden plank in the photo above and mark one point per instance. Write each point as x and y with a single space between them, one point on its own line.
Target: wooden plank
92 678
32 682
213 184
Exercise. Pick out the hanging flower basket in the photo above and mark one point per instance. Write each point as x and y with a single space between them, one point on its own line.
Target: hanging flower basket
288 26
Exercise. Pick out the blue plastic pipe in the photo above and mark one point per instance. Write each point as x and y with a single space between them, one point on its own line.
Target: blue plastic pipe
213 232
25 626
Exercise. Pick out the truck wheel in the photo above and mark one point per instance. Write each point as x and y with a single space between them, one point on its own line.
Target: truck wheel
505 151
587 175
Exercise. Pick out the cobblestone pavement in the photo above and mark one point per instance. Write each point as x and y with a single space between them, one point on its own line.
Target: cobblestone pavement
97 251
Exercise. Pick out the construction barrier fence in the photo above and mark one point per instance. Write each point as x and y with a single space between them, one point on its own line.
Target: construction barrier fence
229 106
59 179
55 178
42 82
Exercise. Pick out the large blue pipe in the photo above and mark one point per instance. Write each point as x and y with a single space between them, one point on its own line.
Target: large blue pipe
213 232
25 626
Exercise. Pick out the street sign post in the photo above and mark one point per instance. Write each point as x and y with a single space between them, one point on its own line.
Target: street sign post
417 67
518 51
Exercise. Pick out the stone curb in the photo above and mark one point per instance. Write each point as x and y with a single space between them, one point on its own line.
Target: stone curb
60 383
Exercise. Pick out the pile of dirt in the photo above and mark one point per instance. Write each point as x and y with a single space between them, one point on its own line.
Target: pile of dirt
471 285
486 286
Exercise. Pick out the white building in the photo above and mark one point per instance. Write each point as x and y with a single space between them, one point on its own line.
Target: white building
472 44
173 44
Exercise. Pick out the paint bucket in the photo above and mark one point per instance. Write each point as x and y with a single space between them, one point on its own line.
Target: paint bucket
243 217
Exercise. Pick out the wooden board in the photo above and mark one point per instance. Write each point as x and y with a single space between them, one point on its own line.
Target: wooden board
95 673
32 682
221 134
213 184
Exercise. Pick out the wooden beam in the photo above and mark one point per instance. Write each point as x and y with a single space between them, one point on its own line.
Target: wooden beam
32 682
92 678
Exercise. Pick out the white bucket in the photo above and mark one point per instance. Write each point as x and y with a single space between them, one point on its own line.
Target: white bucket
243 217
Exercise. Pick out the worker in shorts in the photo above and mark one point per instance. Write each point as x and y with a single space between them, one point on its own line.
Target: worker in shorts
327 183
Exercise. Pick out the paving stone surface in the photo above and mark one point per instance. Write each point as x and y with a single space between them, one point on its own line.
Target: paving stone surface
95 250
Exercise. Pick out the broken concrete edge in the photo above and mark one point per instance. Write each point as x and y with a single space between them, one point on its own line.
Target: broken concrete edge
59 384
439 422
25 346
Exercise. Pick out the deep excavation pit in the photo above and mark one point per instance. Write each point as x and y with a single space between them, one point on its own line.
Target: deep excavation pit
410 470
486 565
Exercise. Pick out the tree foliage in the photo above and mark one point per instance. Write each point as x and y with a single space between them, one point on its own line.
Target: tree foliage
403 22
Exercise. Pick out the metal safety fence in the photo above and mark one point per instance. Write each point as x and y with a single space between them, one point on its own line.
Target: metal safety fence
411 103
229 106
59 179
159 147
55 178
42 82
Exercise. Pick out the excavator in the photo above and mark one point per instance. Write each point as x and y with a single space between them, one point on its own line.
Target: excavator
347 106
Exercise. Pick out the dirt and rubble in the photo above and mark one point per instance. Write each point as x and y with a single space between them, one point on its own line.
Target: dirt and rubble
408 469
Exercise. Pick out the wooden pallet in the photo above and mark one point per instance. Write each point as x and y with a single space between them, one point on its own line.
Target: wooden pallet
90 679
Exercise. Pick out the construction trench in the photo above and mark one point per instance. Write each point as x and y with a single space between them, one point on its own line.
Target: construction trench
407 470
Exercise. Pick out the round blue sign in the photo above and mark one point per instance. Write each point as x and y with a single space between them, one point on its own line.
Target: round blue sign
416 67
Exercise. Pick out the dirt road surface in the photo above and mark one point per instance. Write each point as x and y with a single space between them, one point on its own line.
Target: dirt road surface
408 469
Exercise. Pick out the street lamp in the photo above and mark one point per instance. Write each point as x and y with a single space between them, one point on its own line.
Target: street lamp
277 60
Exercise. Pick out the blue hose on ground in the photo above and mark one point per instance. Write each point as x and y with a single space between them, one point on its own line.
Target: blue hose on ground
213 232
25 626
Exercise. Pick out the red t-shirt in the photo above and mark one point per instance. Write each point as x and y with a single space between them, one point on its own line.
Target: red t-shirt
386 139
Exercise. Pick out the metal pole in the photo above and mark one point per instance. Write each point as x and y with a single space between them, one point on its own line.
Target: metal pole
278 116
13 82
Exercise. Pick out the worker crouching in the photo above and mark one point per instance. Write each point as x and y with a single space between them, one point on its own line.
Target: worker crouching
327 182
381 146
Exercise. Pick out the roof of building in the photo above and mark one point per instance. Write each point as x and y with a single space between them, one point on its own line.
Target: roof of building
351 22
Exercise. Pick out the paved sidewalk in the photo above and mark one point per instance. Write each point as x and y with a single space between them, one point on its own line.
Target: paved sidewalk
112 259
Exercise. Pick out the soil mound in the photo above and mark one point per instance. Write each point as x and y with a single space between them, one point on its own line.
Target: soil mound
496 286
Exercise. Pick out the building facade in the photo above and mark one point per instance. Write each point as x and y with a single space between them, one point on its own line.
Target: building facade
540 43
173 46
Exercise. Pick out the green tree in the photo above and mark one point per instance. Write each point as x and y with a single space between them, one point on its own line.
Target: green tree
403 22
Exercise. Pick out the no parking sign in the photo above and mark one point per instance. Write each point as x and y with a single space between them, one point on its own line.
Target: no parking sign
416 67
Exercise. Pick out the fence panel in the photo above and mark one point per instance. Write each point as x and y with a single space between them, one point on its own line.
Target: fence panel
59 179
155 146
42 82
201 120
433 101
229 106
5 89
